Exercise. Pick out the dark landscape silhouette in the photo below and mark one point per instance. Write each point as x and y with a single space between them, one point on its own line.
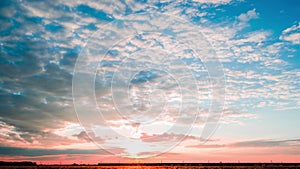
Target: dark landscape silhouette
29 164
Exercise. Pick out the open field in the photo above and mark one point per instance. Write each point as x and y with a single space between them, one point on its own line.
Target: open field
167 166
146 167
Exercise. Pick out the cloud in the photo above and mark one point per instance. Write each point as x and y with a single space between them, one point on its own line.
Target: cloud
12 136
167 137
86 10
15 151
267 143
231 116
251 14
213 1
201 146
291 34
36 79
82 136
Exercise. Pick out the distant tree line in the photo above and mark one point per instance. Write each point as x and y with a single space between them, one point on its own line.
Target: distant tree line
22 163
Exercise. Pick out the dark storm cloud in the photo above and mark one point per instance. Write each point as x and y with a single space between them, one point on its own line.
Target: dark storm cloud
34 101
35 78
37 60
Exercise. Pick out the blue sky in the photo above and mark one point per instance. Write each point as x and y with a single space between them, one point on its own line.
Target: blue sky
139 71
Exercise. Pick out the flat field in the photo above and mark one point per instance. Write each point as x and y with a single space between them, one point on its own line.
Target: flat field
150 167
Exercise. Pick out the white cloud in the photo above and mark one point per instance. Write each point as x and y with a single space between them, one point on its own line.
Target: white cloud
213 1
251 14
291 34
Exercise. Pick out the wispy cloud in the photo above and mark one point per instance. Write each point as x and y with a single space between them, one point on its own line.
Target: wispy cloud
291 34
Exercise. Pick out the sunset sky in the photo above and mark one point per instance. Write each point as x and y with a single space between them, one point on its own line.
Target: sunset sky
159 80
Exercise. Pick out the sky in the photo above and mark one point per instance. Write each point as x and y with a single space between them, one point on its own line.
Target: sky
149 81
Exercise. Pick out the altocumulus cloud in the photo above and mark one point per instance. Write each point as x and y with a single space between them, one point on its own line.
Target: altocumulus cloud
41 40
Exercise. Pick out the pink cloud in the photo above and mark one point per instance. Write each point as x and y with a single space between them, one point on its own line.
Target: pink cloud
166 137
